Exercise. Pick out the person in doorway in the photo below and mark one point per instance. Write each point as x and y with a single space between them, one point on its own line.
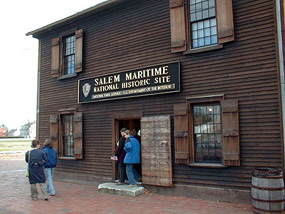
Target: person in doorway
138 167
135 134
36 159
50 164
120 154
133 150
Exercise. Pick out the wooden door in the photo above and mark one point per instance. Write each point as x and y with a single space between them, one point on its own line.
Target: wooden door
156 151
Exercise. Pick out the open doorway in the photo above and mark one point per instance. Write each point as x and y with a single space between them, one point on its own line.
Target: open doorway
131 124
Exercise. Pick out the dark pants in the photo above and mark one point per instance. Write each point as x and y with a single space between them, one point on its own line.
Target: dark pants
122 168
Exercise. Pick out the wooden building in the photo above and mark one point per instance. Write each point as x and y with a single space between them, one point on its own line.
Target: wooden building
201 80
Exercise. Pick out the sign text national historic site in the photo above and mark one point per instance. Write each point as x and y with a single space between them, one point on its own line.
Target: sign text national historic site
141 82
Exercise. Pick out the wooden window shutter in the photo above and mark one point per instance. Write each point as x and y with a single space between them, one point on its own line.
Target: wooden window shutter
181 134
230 133
55 58
54 131
78 50
78 136
178 25
225 21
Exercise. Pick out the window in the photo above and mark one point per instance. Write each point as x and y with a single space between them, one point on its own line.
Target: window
67 54
206 131
203 24
199 25
66 133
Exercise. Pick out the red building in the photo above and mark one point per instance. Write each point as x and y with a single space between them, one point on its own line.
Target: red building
3 131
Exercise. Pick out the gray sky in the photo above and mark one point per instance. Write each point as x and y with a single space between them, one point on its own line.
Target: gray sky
18 80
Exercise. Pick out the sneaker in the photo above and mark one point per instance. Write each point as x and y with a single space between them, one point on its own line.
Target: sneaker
46 199
34 199
120 183
51 193
132 185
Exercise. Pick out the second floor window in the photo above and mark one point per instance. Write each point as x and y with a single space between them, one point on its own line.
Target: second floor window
203 24
200 25
67 52
69 55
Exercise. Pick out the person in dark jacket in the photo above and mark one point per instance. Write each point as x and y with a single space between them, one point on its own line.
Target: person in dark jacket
50 165
35 159
120 154
133 150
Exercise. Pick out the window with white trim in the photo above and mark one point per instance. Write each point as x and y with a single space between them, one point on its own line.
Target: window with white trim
200 25
203 23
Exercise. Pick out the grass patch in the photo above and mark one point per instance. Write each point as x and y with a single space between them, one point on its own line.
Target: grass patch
22 145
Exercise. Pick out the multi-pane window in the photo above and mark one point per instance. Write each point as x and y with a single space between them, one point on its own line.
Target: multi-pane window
66 54
68 134
207 133
69 55
203 23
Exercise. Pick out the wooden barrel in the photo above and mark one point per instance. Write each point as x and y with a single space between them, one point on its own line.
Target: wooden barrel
267 191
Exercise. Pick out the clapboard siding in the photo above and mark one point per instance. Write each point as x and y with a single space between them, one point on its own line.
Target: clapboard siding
136 34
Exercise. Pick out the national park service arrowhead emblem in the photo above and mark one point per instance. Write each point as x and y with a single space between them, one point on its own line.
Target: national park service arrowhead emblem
86 89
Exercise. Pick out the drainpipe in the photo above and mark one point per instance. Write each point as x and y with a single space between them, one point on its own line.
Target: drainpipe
281 72
38 90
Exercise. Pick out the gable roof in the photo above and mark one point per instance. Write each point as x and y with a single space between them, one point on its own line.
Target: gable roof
77 16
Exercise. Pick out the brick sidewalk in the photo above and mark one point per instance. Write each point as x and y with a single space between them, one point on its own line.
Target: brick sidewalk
85 199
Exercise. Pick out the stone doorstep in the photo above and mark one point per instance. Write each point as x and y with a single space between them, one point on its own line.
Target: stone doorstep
124 190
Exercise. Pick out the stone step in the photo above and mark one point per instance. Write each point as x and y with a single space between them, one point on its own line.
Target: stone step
113 188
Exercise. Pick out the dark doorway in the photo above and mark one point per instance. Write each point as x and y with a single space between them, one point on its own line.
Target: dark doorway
133 123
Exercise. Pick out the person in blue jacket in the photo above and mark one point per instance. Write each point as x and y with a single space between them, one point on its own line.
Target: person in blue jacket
50 165
133 150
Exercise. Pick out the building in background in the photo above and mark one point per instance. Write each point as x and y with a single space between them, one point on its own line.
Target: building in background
4 132
14 133
32 131
203 81
28 130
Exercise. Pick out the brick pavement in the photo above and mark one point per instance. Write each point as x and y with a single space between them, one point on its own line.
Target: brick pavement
84 199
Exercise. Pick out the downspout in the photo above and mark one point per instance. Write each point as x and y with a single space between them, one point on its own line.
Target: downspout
38 90
281 73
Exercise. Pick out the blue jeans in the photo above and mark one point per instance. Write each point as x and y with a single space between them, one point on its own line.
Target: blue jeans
132 174
50 187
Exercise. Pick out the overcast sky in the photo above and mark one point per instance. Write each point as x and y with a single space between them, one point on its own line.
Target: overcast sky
19 53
